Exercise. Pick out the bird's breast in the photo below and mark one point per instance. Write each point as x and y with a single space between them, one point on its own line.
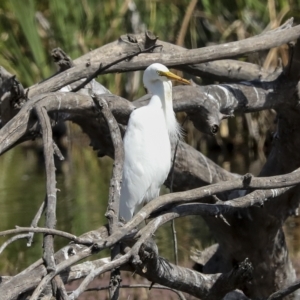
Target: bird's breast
147 139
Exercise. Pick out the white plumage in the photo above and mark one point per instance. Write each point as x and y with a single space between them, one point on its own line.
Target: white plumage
147 142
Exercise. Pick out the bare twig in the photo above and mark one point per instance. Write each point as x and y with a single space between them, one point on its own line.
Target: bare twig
57 151
12 239
35 222
49 231
173 226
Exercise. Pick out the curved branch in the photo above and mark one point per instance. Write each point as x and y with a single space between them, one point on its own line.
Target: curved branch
12 239
129 42
193 56
247 182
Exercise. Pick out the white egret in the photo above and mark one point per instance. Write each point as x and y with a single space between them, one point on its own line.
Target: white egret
147 143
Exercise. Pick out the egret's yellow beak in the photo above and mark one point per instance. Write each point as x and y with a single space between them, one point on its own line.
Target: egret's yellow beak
173 76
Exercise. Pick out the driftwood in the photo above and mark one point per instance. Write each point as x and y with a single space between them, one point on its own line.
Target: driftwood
245 213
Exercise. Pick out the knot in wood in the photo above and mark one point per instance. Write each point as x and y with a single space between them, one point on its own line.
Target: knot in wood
214 129
150 40
247 179
109 214
97 246
71 251
136 260
245 270
115 279
131 38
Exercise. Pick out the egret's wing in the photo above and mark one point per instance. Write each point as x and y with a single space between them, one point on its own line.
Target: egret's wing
147 158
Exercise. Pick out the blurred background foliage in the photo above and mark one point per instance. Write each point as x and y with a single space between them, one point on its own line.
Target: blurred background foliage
30 29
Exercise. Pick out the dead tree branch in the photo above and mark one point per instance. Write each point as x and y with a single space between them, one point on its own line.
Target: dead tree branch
233 49
46 128
13 239
102 69
112 213
71 237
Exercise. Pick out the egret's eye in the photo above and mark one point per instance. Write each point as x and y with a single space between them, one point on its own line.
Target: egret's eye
160 73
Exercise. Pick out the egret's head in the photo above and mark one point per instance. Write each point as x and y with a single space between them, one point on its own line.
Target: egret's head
158 72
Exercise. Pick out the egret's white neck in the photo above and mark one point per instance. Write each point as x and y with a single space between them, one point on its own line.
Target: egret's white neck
163 89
